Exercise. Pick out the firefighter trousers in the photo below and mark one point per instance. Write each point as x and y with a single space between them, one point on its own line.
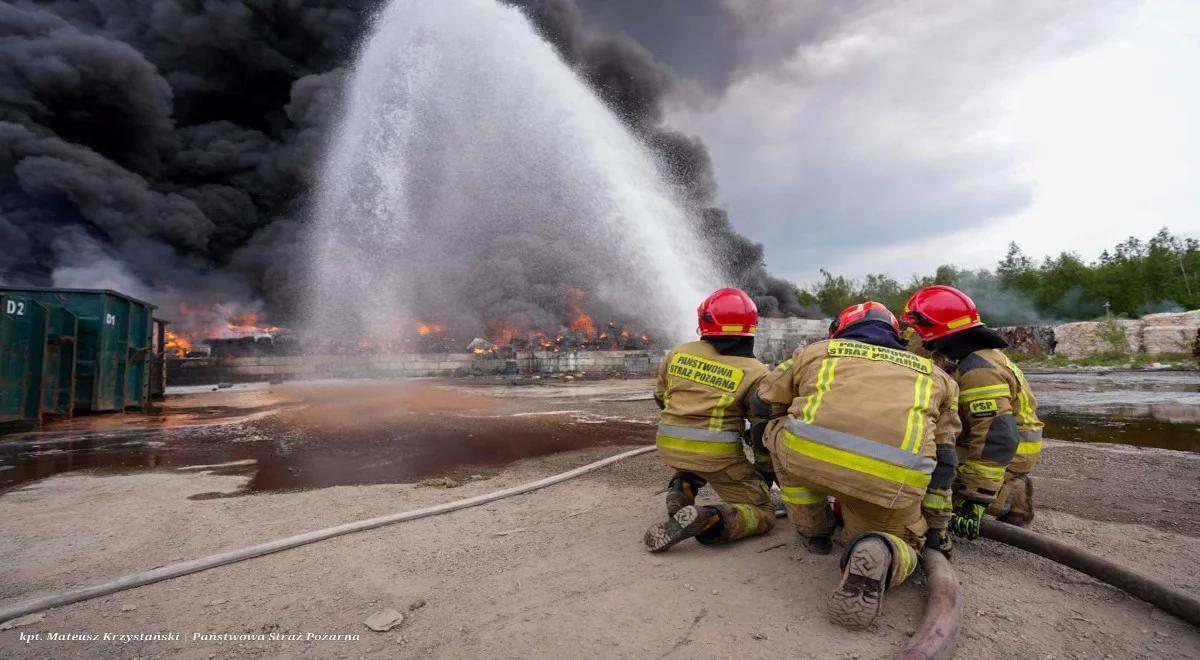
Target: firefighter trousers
809 512
1014 502
746 502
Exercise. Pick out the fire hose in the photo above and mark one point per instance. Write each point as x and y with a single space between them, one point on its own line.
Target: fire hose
934 639
1165 597
196 565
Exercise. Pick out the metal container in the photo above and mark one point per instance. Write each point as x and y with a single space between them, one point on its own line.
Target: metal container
113 345
22 344
58 362
158 360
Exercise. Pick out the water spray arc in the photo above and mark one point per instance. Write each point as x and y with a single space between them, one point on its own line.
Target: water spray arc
475 180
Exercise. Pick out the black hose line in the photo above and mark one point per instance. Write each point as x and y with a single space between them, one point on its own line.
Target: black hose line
1165 597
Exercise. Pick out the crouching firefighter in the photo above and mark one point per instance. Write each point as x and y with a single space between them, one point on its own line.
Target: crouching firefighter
703 390
859 418
1002 435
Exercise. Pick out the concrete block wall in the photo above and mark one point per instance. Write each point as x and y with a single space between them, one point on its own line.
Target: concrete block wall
1155 334
195 371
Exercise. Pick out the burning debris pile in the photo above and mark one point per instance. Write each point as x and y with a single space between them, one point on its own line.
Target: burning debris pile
220 332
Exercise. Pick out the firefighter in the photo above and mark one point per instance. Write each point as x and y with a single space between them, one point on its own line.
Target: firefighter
859 418
1002 435
702 390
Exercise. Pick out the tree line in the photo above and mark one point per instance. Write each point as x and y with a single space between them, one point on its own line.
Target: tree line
1134 278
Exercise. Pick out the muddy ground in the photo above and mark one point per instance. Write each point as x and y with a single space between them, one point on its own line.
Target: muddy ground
556 573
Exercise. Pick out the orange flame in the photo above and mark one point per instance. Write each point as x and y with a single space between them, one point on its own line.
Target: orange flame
177 344
247 322
582 323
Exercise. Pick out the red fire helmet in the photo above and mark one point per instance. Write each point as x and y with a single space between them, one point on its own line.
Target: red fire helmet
727 313
937 311
860 313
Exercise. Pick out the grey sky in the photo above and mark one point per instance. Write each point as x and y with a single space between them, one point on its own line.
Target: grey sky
884 136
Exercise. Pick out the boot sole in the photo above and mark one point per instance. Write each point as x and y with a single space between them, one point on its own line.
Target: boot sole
686 523
859 598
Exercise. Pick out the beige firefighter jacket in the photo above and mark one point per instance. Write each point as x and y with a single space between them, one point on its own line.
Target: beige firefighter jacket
874 423
704 395
1001 429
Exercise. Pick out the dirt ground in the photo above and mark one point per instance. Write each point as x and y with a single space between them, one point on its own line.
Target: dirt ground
561 572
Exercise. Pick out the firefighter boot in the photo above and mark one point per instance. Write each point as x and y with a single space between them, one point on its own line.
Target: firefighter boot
686 523
817 545
865 570
682 491
1020 510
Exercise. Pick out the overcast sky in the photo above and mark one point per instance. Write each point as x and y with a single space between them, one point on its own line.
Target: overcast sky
870 136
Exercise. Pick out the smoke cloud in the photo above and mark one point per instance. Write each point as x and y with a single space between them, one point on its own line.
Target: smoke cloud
168 149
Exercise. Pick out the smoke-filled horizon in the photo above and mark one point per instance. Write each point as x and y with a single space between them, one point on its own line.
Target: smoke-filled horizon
170 151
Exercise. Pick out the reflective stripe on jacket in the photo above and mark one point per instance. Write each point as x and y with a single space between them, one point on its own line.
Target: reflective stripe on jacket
705 408
1001 430
864 421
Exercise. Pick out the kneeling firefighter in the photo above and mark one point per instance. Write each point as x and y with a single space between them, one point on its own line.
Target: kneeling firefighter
1002 435
702 390
860 418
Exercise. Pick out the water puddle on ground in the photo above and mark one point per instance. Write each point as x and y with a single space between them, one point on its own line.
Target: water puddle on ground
278 454
1143 409
1141 432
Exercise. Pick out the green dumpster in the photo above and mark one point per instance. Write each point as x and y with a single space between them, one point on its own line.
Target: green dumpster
112 360
58 362
22 343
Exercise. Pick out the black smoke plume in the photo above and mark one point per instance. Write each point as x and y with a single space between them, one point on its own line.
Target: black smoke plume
167 149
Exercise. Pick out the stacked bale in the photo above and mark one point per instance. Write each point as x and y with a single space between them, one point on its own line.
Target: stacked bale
1077 340
1171 332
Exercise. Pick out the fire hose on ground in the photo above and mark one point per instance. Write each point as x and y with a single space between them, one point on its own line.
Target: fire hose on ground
232 556
934 639
1163 596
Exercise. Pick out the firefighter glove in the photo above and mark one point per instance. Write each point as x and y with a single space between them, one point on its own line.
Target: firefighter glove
968 515
940 540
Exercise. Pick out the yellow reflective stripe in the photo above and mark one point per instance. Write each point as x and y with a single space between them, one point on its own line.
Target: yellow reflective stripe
855 462
700 446
908 557
1027 415
915 427
801 495
1026 448
936 501
985 392
786 364
824 381
718 414
750 516
959 322
974 468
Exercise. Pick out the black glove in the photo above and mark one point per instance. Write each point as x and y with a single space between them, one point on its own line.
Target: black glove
968 515
940 540
757 431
